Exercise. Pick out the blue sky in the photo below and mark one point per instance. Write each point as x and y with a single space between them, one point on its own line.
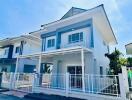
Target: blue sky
22 16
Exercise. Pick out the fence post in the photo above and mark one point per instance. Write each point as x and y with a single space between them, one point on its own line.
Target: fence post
125 76
12 81
67 84
33 82
123 91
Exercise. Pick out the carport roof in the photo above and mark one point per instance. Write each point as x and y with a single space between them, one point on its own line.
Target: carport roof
57 52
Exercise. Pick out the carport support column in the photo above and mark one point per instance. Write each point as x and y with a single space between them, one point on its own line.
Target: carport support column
39 65
15 74
83 72
17 62
39 71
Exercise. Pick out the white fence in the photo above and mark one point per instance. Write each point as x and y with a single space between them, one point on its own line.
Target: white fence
20 82
96 84
53 81
108 85
23 82
6 80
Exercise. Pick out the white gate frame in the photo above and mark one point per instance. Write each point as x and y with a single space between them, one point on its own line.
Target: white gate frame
123 84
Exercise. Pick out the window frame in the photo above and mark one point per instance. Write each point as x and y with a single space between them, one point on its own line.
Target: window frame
17 50
50 43
75 37
6 51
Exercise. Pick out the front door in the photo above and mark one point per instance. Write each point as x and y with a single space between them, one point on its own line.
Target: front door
75 76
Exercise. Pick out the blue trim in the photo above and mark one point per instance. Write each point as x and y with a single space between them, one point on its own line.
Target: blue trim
58 40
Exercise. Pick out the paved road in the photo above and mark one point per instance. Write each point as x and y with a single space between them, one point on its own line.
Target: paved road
7 97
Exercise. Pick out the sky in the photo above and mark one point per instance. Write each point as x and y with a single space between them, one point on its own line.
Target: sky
19 17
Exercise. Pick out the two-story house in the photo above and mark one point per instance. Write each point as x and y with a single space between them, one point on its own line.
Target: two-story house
11 48
75 44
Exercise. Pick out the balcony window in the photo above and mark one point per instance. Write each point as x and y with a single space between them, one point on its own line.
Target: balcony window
76 37
6 51
51 43
17 49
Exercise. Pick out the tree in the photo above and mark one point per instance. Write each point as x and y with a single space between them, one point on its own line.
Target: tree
115 62
123 62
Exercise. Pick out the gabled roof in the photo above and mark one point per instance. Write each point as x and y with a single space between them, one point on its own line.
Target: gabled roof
129 48
99 19
73 11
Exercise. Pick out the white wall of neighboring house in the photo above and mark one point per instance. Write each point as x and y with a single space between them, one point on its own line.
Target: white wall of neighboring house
26 61
31 47
2 52
86 38
100 48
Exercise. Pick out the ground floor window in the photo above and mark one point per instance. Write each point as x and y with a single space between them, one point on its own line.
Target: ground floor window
29 68
47 67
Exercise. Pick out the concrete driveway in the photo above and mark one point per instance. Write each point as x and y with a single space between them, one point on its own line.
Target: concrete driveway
9 97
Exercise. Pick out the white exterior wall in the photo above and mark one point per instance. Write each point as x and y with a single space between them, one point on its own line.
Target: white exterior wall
99 52
86 38
61 62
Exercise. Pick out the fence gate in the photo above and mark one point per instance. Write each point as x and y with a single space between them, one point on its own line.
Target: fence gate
23 82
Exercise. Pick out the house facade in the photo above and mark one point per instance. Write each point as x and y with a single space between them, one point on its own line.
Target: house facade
79 28
69 60
75 46
11 48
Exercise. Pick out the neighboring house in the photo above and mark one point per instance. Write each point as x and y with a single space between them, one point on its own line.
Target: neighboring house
11 48
75 44
129 49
